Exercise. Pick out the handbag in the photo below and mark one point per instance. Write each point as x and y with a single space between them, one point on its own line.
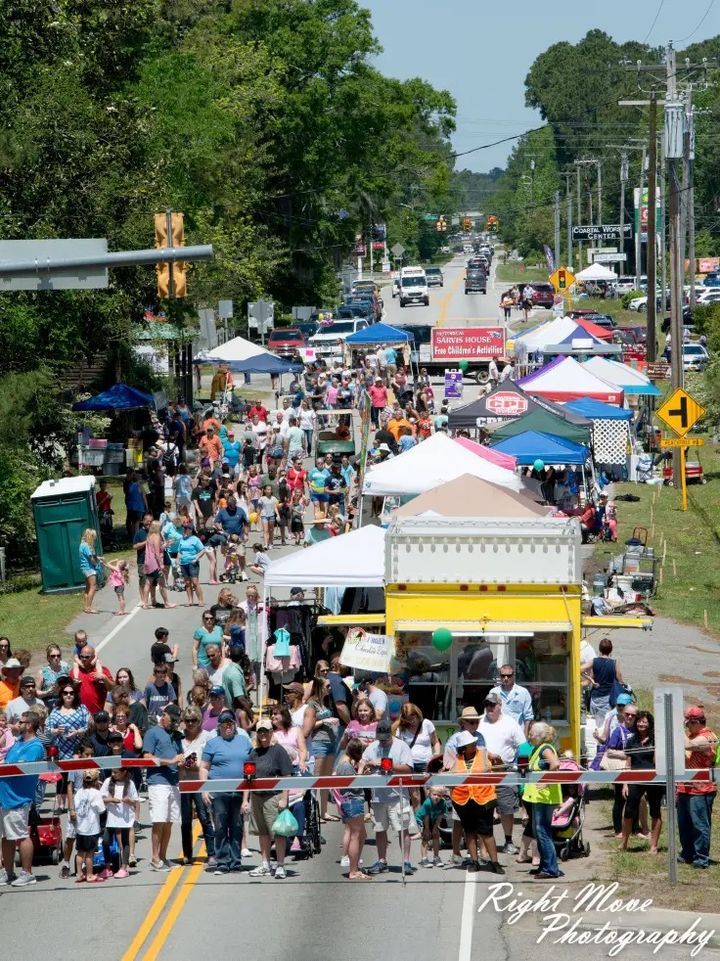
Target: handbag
285 824
616 690
611 763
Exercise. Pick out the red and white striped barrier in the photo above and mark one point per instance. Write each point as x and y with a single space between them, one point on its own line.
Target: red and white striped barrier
112 762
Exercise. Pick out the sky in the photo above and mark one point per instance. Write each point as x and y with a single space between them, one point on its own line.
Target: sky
481 51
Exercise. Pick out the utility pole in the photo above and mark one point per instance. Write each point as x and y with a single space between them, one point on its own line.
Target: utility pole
690 195
568 193
624 169
651 234
599 190
557 228
579 214
638 232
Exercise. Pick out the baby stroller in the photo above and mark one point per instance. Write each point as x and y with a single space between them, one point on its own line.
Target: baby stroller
178 578
107 530
46 832
568 819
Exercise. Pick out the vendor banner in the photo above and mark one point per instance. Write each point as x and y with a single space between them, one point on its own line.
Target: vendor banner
467 343
367 652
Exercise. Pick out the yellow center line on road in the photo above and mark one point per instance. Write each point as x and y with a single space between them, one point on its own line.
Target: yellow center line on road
158 906
445 302
174 913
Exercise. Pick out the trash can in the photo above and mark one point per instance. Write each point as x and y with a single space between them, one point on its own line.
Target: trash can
63 509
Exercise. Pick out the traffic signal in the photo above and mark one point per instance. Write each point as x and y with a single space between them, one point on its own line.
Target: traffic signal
441 224
562 278
467 225
171 278
492 224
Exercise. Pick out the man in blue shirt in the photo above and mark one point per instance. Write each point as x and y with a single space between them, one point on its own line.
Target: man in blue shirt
163 742
224 756
516 700
16 796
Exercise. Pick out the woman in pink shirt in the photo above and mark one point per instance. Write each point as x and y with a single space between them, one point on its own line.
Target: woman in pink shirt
291 738
378 400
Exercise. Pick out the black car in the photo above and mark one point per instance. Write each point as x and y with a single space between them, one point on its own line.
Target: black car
475 280
308 327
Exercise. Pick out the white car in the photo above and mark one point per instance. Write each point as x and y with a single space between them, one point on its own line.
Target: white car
708 295
695 357
329 339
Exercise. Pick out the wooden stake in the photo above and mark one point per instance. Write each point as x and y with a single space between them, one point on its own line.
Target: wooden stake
665 551
705 619
660 576
652 533
674 568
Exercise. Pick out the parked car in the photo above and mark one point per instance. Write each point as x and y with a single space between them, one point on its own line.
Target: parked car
284 341
434 277
695 357
602 320
307 328
329 339
543 295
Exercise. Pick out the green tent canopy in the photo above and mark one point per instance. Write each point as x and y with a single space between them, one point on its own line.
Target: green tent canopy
546 422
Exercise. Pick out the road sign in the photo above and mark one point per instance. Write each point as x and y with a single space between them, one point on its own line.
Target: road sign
609 258
562 279
660 370
682 442
604 232
397 250
680 412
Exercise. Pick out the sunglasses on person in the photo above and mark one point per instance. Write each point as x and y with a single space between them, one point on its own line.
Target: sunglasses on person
54 655
209 617
68 693
86 657
507 676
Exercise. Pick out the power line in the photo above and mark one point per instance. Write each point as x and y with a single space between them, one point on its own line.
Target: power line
486 146
652 25
700 23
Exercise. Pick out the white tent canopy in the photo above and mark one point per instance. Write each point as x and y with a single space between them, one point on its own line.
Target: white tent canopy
435 461
555 332
232 351
596 272
356 559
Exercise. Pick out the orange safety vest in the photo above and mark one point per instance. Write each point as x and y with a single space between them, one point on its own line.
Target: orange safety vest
481 793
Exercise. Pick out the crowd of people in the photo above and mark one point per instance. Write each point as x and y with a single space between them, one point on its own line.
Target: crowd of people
77 707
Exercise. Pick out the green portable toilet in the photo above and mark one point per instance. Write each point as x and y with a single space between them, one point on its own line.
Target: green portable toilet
63 509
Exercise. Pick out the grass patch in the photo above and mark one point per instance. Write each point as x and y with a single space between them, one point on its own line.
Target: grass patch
33 620
689 578
516 273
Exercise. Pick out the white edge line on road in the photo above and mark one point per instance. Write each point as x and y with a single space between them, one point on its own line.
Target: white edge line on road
467 918
122 622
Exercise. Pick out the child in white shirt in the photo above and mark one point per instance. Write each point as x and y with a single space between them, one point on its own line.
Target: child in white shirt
123 807
88 805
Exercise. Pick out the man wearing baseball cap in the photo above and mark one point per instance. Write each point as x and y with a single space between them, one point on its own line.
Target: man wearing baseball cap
224 756
163 743
391 808
10 681
695 799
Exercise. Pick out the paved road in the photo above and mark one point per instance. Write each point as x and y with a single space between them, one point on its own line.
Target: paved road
450 306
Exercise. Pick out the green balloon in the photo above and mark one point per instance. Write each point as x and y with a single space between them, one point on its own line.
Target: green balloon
539 465
463 365
442 639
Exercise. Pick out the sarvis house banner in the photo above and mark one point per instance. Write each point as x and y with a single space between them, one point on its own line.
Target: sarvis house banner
367 652
467 343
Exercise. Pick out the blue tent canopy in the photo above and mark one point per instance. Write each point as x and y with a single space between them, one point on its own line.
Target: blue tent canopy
534 445
117 397
380 334
597 410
